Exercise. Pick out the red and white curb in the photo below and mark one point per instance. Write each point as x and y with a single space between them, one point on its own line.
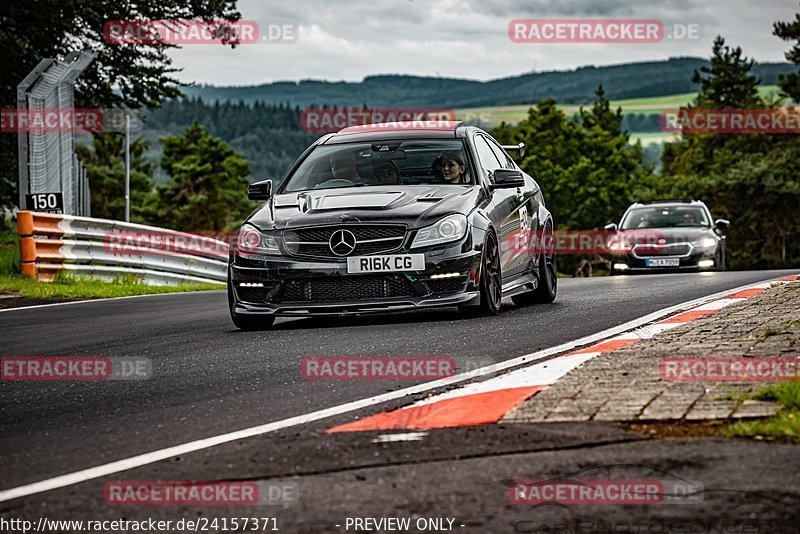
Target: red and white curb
489 401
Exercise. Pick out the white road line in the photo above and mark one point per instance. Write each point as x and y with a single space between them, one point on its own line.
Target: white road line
719 304
650 330
540 374
406 436
86 301
193 446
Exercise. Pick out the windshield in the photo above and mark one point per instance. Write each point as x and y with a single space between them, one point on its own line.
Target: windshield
666 217
384 163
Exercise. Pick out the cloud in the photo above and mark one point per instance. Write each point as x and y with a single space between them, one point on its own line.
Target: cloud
464 38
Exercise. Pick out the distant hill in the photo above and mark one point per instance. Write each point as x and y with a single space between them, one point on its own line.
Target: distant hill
630 80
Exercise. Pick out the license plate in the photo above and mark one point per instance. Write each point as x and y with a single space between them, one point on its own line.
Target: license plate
662 262
386 264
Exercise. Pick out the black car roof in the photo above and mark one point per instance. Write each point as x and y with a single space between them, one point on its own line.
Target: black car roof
398 130
664 202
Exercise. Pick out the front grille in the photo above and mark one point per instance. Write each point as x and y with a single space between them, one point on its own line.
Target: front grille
673 249
371 239
347 288
447 285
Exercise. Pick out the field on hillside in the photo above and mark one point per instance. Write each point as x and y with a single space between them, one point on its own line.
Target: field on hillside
494 115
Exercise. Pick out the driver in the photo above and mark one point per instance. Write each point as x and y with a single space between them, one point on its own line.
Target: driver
386 174
689 219
343 167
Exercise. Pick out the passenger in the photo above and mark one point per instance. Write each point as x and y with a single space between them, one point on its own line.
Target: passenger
450 168
386 174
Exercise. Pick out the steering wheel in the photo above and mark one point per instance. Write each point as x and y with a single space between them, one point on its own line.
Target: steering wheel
334 182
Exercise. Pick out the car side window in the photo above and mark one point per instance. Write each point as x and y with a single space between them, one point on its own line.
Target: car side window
505 161
486 157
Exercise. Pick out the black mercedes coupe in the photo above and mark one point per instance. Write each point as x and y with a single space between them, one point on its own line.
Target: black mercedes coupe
390 217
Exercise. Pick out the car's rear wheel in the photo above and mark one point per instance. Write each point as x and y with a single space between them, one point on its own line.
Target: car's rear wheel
248 322
547 288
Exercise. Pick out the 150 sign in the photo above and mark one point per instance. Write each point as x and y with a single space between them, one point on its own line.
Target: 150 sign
49 202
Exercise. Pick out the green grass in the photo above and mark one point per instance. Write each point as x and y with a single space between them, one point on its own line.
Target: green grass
9 253
76 287
67 286
784 425
647 138
787 394
770 332
494 115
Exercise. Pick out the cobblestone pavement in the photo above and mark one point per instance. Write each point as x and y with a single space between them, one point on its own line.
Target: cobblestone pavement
626 384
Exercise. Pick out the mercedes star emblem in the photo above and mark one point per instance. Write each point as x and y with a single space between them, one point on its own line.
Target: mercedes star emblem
342 242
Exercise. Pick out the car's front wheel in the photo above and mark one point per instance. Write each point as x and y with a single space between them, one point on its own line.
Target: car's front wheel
248 322
491 285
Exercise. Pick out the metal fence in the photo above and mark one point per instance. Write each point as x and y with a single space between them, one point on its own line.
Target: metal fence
105 249
47 160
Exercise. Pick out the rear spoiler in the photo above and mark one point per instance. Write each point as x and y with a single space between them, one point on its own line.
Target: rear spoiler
519 148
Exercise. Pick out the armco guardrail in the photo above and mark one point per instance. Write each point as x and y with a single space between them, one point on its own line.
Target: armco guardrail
101 248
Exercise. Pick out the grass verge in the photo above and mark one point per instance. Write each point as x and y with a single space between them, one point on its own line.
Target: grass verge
66 287
785 425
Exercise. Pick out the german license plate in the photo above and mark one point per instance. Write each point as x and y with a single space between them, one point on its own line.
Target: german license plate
386 263
662 262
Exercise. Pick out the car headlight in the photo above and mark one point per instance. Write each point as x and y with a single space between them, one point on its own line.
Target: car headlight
251 241
708 242
450 228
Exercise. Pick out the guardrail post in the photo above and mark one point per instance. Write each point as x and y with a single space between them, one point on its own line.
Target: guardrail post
27 245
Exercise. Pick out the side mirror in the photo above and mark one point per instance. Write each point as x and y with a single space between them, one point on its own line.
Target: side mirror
507 179
260 190
722 224
611 227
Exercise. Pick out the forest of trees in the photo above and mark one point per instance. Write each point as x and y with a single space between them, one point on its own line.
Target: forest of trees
590 173
629 80
268 135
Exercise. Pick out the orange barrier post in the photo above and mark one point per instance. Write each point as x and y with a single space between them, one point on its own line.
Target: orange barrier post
25 223
27 245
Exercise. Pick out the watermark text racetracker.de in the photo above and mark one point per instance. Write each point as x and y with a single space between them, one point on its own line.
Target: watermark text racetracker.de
194 493
729 369
600 30
115 526
145 242
192 32
604 491
584 241
74 368
377 367
334 119
63 120
731 121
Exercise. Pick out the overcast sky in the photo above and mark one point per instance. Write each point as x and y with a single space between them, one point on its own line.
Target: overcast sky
351 39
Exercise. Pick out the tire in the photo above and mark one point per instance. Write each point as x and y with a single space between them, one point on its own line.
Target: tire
248 322
547 289
721 262
491 285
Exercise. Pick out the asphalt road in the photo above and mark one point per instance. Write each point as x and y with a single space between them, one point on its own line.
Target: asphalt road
210 378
